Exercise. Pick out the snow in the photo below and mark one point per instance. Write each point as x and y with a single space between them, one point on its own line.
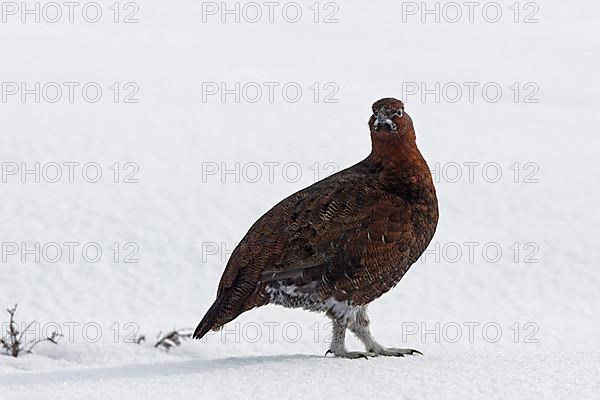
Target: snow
453 375
522 324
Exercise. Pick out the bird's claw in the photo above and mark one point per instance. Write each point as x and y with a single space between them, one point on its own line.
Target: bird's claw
385 352
395 352
351 354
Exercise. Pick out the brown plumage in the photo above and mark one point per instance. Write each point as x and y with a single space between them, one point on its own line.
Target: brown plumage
341 243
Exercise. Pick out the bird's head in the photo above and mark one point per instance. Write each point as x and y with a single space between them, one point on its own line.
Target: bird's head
390 121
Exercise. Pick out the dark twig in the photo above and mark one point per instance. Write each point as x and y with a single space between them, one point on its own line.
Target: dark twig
53 338
13 343
173 338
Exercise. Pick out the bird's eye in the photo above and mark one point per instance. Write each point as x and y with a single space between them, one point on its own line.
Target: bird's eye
400 113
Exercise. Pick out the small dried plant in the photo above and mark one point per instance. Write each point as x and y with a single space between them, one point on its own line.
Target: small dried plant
13 342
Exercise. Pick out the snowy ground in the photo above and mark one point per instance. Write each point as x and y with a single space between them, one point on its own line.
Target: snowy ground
520 324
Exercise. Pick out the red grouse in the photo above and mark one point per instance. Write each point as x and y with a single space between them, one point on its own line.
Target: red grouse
339 244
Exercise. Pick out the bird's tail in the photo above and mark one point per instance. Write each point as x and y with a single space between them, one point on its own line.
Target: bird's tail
210 320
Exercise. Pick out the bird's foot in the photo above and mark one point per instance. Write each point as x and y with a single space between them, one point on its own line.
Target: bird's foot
394 352
350 354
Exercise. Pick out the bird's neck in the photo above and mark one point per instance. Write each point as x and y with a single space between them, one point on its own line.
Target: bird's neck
399 162
396 152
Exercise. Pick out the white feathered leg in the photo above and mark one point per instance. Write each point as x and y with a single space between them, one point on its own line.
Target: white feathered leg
360 327
338 346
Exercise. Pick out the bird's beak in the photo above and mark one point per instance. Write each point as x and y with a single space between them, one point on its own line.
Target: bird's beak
383 119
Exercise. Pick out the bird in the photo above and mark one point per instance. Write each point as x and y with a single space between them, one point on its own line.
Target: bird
339 244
